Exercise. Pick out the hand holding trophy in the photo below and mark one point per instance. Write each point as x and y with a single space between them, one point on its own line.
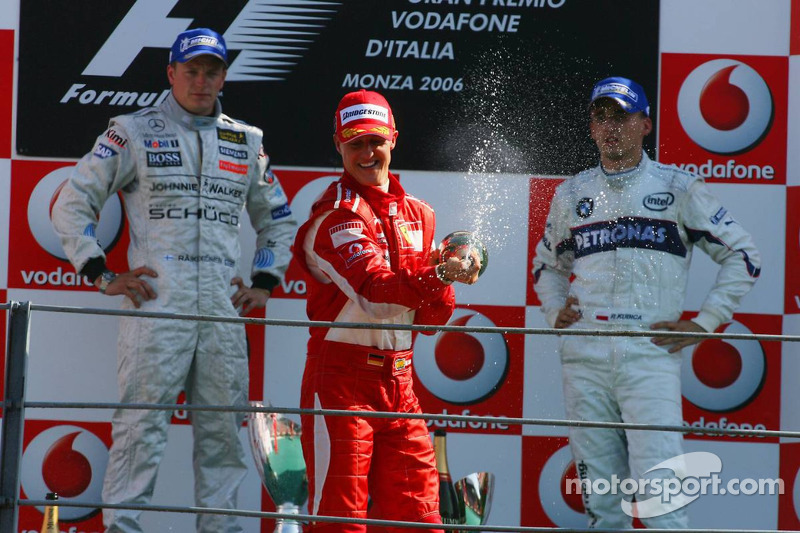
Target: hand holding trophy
462 246
275 442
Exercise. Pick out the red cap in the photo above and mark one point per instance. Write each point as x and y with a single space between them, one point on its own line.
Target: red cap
363 113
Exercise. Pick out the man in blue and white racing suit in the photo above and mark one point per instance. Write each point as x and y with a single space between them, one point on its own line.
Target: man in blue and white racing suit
626 230
186 172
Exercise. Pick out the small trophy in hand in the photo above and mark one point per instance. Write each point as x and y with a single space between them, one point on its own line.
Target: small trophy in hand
460 244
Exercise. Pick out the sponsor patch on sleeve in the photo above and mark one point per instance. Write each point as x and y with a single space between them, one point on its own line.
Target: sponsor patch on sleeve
264 258
281 212
342 234
116 138
356 252
718 216
103 152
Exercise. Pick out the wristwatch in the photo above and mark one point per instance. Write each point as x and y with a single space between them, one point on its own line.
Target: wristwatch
105 278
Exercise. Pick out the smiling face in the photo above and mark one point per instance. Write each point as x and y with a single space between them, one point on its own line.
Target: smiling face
197 83
618 134
367 158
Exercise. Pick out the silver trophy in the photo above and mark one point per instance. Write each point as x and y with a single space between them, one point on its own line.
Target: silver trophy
476 490
275 442
460 244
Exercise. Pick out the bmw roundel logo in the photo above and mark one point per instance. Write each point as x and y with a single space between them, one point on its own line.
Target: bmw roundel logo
585 207
725 106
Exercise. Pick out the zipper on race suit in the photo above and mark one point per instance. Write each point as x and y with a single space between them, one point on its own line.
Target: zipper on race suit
394 247
200 160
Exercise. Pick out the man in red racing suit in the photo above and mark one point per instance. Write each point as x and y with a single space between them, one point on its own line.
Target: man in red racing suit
368 254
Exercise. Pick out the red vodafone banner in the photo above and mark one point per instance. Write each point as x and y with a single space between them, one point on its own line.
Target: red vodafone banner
69 458
36 259
473 374
734 384
724 117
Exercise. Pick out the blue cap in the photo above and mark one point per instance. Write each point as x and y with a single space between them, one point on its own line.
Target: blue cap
196 42
629 94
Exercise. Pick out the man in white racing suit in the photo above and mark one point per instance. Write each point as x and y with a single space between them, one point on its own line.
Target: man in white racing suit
626 230
186 172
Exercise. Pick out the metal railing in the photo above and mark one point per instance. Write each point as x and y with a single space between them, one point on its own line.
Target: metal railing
14 405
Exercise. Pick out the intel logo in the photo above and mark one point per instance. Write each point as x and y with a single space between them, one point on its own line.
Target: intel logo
659 201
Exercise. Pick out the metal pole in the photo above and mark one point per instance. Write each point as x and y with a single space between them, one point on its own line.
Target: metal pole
13 413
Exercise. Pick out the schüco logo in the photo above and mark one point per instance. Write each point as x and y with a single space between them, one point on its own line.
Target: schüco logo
70 461
725 106
722 376
478 371
40 205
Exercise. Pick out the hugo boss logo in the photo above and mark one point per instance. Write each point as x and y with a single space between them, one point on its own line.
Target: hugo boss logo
658 201
164 159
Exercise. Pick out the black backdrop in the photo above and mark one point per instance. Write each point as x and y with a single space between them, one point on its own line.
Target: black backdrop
520 107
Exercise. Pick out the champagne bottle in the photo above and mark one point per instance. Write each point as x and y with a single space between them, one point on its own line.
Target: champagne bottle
50 524
451 507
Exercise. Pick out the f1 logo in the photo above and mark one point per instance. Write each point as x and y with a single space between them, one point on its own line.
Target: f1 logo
147 25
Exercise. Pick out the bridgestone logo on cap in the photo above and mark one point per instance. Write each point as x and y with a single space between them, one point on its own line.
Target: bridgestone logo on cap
616 88
361 111
200 40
